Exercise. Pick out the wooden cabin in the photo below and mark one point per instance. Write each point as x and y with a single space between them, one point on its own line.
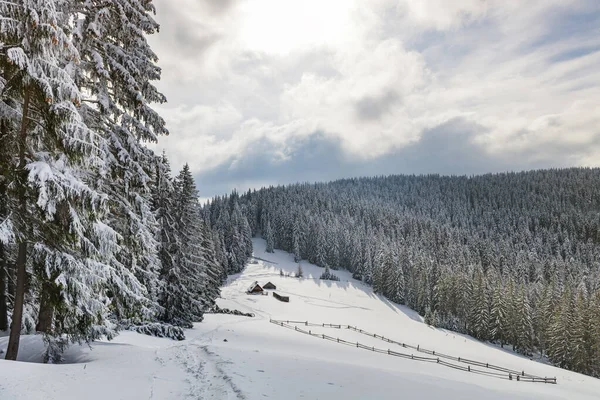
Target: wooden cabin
255 288
285 299
269 285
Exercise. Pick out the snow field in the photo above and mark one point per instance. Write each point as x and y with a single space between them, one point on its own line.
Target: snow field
237 357
350 302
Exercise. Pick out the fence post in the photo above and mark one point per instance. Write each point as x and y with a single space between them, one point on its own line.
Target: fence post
438 360
388 351
518 378
486 365
418 348
469 368
509 376
434 352
306 323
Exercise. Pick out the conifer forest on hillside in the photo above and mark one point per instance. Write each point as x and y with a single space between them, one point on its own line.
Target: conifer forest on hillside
96 234
511 258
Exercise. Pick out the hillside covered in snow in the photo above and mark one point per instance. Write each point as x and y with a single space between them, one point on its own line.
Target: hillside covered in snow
510 258
238 357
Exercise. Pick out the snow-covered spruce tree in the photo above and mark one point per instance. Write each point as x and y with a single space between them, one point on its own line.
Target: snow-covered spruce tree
163 199
379 265
594 314
116 73
55 216
185 281
213 269
498 321
237 234
583 331
269 238
178 214
220 253
560 334
367 264
328 275
479 308
524 343
246 233
297 256
399 284
320 245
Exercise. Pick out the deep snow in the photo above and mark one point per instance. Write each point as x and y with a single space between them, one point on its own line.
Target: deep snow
261 360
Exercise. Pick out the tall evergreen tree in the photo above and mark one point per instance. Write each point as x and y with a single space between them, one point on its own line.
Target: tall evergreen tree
182 302
524 343
269 238
163 207
52 206
560 350
116 72
479 316
499 330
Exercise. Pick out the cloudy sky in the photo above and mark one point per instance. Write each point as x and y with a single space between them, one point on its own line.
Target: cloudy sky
268 92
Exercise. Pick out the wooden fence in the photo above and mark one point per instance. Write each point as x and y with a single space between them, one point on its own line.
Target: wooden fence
438 358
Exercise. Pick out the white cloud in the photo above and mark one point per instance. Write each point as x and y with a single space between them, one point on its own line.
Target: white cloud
443 14
375 75
383 70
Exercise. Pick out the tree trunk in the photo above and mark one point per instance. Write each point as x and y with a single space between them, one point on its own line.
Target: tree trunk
21 264
3 299
10 281
17 317
3 251
47 301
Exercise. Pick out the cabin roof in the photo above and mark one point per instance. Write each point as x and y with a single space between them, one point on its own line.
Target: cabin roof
255 286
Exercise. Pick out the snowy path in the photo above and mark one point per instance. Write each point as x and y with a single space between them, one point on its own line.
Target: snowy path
206 379
237 357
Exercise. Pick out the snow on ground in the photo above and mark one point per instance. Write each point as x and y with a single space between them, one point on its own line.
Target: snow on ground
236 357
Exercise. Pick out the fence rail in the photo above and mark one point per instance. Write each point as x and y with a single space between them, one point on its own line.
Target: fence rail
439 358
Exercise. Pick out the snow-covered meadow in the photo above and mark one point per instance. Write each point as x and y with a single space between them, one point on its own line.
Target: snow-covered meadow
236 357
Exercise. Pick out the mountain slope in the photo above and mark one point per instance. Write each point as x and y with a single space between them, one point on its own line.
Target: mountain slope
266 359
